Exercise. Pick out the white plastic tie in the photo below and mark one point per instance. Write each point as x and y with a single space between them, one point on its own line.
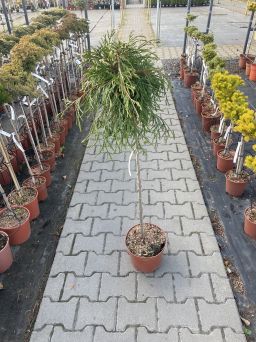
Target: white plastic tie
227 132
40 78
129 163
6 134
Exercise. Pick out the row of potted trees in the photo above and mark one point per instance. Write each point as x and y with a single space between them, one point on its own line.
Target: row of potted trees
39 83
226 114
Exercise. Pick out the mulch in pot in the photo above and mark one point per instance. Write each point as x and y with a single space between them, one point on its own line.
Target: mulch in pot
3 241
151 245
12 218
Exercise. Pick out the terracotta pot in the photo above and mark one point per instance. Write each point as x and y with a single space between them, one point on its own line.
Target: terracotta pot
45 173
225 164
31 205
21 231
235 187
248 68
6 258
69 117
198 105
252 76
217 146
242 61
182 72
64 123
62 135
56 140
51 146
5 177
41 187
25 141
249 225
49 159
208 121
214 134
190 78
145 264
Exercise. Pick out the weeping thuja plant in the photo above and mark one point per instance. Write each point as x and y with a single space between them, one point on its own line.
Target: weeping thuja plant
122 86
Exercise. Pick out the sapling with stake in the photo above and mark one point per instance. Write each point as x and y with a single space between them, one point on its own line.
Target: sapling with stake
122 86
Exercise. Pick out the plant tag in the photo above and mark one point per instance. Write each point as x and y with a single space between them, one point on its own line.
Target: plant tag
237 152
227 132
12 111
221 125
17 143
73 45
40 78
78 62
6 134
32 102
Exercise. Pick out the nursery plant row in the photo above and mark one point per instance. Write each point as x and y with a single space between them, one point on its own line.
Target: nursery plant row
39 85
225 113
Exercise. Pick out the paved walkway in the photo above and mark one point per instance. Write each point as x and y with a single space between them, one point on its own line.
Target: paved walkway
94 294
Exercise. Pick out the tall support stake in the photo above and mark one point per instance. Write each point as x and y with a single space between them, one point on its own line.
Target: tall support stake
6 16
112 14
158 19
24 6
209 17
186 35
248 32
88 33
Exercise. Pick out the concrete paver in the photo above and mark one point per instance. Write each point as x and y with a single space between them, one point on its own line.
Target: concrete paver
95 294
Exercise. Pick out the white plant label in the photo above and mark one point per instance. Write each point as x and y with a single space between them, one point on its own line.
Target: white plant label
6 134
237 152
78 62
221 125
227 132
40 78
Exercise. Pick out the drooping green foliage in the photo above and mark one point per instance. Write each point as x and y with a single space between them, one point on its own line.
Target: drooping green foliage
122 86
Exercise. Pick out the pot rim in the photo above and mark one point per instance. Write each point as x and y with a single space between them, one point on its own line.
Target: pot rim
7 242
17 226
36 176
219 152
31 187
246 215
241 181
139 256
46 166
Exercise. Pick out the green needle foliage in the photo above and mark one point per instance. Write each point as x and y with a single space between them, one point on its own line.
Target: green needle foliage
122 86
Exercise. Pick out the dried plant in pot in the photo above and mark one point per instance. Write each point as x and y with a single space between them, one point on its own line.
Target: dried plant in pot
122 87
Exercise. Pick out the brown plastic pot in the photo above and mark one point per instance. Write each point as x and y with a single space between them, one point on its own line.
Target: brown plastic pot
5 177
208 121
214 134
190 78
49 159
217 146
198 105
45 173
235 187
56 140
249 225
41 188
62 135
145 264
31 205
225 164
248 68
242 61
6 257
64 123
20 232
252 76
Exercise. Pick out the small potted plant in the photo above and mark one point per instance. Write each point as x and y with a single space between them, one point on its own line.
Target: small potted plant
250 212
6 257
122 86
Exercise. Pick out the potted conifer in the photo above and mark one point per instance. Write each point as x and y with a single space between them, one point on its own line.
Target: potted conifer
122 86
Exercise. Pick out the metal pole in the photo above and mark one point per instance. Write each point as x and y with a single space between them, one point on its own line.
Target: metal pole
186 36
209 17
6 16
24 6
158 4
112 14
248 32
88 33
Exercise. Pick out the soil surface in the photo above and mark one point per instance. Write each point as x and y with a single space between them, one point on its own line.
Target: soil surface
26 195
226 212
24 283
150 245
3 241
13 218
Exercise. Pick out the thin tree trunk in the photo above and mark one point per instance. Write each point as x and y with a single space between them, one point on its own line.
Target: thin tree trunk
139 189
